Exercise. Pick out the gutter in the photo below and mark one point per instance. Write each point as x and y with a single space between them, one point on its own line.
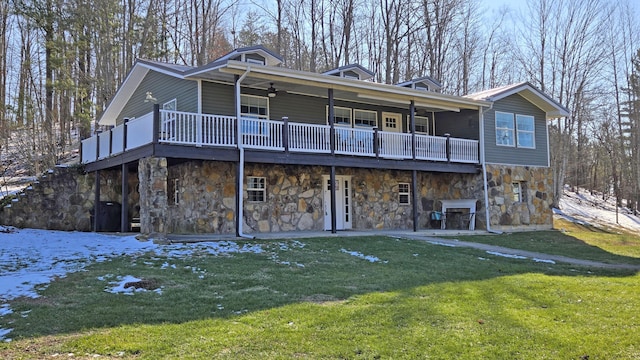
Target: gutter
240 193
484 173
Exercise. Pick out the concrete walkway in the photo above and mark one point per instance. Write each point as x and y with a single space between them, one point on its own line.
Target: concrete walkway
431 236
536 256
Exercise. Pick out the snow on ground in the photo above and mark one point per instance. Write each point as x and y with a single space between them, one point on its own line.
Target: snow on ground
590 209
31 259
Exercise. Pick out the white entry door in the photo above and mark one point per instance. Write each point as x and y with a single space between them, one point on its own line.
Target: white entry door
391 122
343 202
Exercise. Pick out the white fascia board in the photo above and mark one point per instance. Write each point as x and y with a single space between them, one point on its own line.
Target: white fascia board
122 96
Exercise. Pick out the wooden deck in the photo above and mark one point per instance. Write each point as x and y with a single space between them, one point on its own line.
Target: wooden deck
175 134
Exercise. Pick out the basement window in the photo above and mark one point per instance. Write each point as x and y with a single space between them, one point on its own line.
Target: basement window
404 194
519 191
256 189
174 192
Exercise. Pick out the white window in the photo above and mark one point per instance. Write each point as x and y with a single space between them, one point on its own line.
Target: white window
404 194
519 191
168 125
256 189
170 105
505 134
422 124
256 107
253 109
365 118
526 131
341 116
254 61
174 191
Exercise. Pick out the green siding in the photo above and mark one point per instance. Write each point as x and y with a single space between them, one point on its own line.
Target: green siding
516 104
164 88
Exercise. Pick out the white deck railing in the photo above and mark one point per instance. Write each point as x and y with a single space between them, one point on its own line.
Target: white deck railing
309 138
262 134
464 150
354 141
183 128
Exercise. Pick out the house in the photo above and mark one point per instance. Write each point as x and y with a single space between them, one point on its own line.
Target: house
297 151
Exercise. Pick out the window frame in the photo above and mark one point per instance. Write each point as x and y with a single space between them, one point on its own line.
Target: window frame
510 130
256 189
532 131
404 192
519 192
416 118
362 111
251 115
350 124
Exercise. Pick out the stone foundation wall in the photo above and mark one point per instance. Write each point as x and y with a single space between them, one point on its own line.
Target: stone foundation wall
63 198
152 176
294 200
535 212
206 196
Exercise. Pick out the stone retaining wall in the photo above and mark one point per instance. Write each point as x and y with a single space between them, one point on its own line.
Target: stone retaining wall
63 198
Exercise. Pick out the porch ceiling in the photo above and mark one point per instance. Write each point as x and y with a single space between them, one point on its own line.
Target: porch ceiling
288 81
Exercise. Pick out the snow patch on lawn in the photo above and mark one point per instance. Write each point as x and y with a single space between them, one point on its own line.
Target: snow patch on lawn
511 256
369 258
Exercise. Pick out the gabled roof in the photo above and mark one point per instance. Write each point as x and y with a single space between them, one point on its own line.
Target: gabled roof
271 58
527 91
364 73
427 80
135 76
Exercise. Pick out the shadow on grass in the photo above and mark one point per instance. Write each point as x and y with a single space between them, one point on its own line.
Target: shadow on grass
202 286
571 240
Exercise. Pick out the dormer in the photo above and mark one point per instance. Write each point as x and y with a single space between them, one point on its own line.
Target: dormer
351 71
254 54
426 83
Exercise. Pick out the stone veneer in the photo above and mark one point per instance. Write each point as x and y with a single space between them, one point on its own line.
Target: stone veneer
535 213
63 198
294 198
152 177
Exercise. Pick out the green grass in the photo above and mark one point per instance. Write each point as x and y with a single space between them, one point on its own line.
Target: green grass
570 240
419 301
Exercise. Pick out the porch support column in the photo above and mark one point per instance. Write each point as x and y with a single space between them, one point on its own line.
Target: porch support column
96 202
414 194
124 212
412 126
332 175
414 173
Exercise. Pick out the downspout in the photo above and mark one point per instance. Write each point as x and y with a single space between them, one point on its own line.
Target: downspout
240 192
484 172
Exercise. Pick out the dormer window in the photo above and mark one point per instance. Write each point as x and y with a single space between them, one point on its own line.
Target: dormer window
254 61
425 83
353 71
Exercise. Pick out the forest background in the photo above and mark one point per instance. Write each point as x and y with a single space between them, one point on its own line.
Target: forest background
61 61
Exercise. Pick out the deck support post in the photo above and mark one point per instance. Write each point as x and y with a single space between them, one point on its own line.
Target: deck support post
414 194
332 180
285 133
332 174
156 123
412 126
124 211
96 202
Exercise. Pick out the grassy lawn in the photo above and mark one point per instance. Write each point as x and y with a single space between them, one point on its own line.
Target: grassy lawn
571 240
314 299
